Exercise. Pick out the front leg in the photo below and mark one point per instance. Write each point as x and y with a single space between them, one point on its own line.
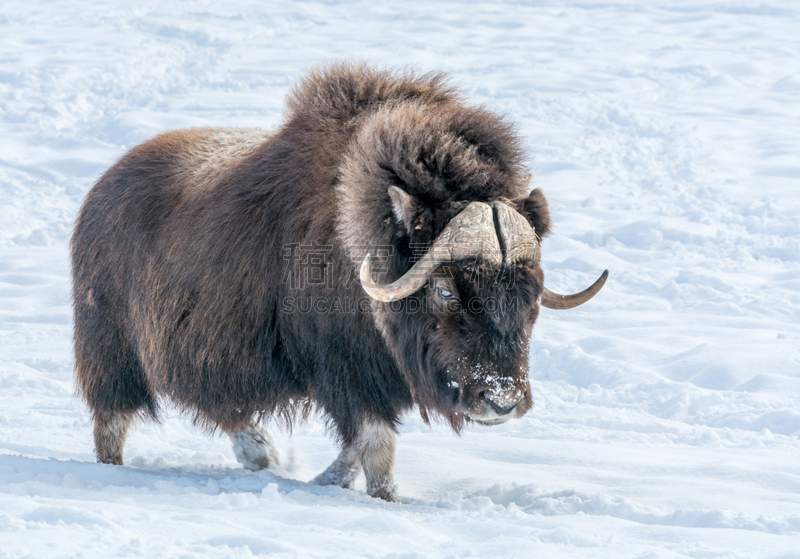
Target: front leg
372 450
343 471
377 459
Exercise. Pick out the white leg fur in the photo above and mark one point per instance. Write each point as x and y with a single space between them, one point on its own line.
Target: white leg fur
374 451
254 448
342 472
377 458
109 436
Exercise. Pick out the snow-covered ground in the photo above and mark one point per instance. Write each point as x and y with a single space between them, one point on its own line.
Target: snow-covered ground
667 139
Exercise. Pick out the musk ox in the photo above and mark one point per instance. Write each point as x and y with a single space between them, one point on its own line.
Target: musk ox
376 251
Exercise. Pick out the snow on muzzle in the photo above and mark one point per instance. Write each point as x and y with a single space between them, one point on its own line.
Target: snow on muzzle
471 235
488 397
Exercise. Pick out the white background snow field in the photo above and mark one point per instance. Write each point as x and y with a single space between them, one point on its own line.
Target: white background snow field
666 137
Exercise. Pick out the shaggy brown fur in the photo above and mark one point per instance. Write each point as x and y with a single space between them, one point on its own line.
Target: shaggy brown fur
181 275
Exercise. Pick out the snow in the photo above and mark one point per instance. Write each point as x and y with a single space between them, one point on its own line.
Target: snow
666 423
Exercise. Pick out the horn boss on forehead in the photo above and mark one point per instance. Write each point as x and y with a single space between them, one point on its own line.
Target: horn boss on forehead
468 235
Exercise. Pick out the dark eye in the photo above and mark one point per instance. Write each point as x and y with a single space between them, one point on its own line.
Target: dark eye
445 293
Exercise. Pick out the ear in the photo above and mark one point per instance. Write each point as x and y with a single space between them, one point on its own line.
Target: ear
404 206
535 210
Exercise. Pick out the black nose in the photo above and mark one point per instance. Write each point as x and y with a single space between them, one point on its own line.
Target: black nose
498 409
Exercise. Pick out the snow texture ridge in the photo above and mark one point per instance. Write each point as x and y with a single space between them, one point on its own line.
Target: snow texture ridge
666 421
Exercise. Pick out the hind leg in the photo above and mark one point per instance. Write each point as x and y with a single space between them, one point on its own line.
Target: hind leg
109 436
109 374
253 447
115 397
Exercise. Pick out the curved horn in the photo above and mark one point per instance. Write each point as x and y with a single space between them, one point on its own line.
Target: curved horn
552 300
470 234
522 245
519 239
